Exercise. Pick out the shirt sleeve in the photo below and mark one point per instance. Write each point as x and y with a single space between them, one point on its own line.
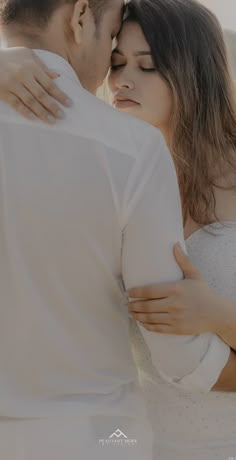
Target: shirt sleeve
152 224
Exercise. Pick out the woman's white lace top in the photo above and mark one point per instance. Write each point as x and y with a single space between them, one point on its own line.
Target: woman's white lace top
183 420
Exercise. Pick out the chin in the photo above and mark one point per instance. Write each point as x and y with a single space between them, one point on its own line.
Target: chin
135 112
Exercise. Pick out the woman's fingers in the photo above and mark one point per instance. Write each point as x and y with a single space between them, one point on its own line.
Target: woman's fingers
49 86
160 328
26 104
51 73
40 97
28 85
19 107
153 318
154 291
150 306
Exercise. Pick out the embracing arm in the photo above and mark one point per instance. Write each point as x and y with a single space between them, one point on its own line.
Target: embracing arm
28 86
189 307
152 226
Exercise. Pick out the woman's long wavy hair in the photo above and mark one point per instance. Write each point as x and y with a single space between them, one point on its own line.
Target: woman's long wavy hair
189 52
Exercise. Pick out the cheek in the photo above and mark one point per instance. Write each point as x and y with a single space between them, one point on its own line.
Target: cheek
161 101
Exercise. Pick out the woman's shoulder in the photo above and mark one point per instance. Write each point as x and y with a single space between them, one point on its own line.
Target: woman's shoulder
190 228
226 201
225 205
213 250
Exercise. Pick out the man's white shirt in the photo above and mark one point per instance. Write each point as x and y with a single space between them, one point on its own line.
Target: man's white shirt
84 204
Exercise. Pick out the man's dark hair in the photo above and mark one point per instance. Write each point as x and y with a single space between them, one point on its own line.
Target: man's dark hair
38 12
98 8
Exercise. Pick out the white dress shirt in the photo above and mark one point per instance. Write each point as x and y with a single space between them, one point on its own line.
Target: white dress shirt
82 204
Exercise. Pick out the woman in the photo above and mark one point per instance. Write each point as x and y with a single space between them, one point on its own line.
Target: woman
170 69
184 88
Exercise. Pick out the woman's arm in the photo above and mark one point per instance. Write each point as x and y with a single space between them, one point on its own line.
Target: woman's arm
189 307
28 86
227 379
226 324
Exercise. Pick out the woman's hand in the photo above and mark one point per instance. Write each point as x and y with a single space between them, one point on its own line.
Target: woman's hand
187 307
28 86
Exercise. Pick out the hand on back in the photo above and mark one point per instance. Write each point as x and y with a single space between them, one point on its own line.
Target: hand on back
29 87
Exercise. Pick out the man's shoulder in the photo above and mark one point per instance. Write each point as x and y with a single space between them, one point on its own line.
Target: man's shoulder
93 118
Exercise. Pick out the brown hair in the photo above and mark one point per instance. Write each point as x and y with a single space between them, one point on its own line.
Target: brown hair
189 52
39 11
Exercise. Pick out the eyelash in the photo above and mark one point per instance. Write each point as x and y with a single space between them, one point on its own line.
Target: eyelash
116 67
148 70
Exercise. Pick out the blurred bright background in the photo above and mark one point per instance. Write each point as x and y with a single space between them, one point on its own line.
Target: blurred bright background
225 10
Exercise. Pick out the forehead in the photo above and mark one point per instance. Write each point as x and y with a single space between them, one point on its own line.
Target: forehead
131 38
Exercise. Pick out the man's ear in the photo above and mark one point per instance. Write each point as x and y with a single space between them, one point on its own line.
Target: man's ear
79 19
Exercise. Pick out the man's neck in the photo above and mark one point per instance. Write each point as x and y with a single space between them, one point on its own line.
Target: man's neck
30 40
11 40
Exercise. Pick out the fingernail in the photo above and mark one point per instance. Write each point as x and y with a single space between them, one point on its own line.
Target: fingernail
54 74
68 102
60 114
51 118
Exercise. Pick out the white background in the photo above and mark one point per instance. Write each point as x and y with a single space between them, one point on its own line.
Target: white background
225 11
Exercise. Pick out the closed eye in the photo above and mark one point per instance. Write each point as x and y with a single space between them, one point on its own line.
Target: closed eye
143 69
151 69
116 67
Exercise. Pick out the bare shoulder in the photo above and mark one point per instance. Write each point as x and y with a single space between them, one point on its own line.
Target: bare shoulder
225 205
190 227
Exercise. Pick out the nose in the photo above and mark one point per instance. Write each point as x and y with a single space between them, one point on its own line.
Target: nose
121 80
127 84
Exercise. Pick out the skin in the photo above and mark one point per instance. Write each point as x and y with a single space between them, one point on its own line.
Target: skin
189 307
28 86
186 307
133 76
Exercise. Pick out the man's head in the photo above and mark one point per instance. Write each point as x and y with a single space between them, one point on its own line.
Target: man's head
79 30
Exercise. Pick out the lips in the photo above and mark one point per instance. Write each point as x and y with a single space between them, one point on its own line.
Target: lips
124 102
124 99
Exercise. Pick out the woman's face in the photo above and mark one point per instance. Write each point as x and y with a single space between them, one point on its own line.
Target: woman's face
136 86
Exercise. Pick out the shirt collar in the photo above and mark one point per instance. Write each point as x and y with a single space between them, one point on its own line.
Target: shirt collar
58 64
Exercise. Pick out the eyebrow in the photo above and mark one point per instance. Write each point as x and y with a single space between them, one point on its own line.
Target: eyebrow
137 53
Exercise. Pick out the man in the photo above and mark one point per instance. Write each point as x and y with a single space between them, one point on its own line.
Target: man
83 205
